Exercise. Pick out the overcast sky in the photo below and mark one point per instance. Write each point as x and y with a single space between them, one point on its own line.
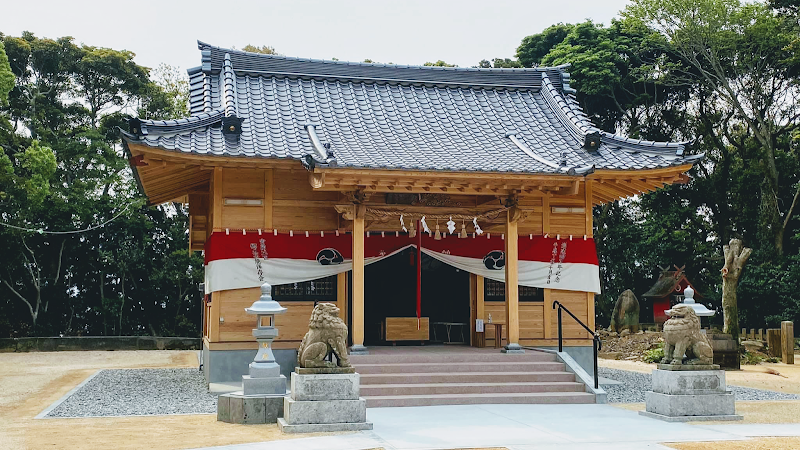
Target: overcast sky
403 32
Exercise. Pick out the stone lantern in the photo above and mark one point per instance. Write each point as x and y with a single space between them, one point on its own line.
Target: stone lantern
265 374
699 309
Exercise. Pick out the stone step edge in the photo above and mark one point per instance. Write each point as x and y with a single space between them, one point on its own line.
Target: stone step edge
488 395
510 383
458 374
468 363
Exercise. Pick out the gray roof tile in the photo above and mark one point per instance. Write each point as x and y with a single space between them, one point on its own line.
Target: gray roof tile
399 117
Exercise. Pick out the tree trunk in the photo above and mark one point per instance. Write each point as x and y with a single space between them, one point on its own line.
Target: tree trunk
735 258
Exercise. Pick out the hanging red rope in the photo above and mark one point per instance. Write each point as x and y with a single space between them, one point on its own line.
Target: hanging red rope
419 274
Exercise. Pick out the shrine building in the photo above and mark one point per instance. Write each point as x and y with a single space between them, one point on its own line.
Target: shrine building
426 202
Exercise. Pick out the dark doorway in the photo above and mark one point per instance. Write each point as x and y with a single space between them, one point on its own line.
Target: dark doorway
445 292
390 290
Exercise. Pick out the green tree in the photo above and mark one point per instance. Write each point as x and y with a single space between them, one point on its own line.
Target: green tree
500 63
62 170
6 76
739 56
439 63
264 49
534 47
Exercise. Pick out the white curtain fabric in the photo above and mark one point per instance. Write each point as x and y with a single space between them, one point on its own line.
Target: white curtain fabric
572 277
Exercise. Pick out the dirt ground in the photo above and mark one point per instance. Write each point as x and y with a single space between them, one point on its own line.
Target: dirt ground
756 376
30 382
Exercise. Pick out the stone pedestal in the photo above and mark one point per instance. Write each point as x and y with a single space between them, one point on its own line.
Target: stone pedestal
254 409
324 402
726 350
683 393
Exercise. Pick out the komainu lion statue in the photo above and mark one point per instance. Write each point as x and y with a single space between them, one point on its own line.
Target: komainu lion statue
327 334
682 335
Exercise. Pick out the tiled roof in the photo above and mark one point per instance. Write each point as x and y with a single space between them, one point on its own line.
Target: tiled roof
396 117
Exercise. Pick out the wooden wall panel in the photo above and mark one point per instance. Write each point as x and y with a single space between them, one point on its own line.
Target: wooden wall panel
576 302
305 219
566 224
531 324
242 183
243 217
238 325
294 185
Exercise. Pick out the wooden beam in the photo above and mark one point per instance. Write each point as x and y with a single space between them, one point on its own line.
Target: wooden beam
512 281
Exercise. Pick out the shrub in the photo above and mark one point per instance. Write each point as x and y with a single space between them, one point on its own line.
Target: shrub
654 355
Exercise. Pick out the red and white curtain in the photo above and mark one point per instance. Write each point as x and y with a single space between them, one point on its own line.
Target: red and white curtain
236 261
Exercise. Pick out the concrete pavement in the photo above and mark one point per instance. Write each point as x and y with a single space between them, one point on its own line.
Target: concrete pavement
519 427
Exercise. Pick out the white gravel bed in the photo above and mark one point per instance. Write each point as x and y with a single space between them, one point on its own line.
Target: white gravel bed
135 392
635 384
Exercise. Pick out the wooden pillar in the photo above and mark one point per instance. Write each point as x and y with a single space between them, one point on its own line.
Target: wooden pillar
341 297
589 232
216 219
512 281
548 303
216 225
268 185
358 281
476 293
787 338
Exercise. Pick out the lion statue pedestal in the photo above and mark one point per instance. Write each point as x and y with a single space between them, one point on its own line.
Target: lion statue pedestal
325 387
687 386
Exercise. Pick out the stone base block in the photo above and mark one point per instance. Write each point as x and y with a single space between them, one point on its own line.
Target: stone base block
719 404
322 412
323 370
239 408
689 382
687 367
264 386
262 370
359 350
687 418
513 349
322 427
325 387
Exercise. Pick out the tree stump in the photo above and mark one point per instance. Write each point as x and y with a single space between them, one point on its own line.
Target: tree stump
735 258
787 337
774 342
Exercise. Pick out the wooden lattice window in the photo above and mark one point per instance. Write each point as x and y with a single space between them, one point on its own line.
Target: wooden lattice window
495 291
321 289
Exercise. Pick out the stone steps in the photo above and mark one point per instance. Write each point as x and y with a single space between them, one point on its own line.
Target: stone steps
371 390
450 357
471 367
474 399
464 377
442 376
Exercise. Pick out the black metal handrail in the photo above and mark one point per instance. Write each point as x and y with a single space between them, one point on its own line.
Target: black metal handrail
596 344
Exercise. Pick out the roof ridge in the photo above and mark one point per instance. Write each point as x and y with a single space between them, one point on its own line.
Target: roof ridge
246 63
539 69
229 96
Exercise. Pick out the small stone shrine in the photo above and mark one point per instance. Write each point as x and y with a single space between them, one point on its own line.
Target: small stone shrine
263 389
687 386
325 387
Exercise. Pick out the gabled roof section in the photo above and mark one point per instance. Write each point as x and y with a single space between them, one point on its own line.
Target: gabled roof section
359 115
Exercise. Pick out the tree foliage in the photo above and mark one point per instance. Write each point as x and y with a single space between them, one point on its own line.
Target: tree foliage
80 252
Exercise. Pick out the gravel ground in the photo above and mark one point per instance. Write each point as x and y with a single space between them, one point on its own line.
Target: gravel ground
132 392
635 384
